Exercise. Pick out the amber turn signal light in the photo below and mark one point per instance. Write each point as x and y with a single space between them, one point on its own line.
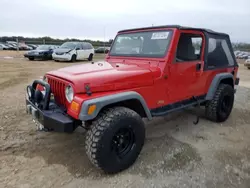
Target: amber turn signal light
75 106
91 109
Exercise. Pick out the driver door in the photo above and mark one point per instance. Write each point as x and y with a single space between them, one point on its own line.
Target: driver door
187 67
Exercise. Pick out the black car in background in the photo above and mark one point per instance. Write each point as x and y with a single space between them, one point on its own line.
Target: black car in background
43 52
102 49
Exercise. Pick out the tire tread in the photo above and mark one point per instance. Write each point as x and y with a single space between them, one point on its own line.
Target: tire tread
98 128
211 106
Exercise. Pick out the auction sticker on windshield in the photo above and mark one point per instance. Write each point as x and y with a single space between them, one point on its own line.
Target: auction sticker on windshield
160 35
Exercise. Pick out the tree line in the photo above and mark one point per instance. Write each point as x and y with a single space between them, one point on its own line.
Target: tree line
52 41
49 40
241 46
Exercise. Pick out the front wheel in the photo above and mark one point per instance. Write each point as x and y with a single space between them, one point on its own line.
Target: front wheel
115 139
31 58
90 58
220 107
73 58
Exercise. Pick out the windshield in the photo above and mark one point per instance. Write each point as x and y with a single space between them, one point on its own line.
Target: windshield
42 47
142 44
70 45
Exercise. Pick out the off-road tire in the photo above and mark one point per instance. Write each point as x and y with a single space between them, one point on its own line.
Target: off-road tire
73 58
214 110
102 133
90 58
31 58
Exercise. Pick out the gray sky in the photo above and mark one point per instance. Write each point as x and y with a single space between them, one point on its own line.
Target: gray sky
90 18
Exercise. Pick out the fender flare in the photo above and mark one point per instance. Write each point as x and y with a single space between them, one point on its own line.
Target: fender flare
215 83
111 99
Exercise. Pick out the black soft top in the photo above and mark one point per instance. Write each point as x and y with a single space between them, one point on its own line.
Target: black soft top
177 27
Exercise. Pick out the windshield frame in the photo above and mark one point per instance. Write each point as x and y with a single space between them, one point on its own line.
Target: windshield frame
143 55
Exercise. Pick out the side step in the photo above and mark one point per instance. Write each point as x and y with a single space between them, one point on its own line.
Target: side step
164 110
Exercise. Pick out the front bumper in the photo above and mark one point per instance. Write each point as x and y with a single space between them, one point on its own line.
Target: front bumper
34 55
49 117
63 57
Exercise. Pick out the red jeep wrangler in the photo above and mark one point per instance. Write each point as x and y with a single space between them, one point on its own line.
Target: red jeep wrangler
148 72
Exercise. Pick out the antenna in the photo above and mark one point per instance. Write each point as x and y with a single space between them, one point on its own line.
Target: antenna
104 33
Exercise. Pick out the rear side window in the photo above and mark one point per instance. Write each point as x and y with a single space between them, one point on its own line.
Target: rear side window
219 54
84 47
89 46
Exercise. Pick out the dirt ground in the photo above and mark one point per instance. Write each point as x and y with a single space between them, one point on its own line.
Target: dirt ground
177 153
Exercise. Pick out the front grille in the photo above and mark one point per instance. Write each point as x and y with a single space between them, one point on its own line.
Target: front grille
58 90
59 53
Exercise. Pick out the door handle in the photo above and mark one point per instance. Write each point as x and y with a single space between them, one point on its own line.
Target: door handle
198 66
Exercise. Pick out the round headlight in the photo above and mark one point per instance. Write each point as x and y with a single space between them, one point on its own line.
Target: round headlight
69 93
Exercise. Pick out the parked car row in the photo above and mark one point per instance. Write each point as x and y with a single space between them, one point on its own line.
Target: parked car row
242 55
12 45
68 51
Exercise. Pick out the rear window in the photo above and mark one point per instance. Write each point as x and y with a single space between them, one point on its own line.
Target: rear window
219 53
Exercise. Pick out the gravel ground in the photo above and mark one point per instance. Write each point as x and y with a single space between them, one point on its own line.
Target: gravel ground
177 153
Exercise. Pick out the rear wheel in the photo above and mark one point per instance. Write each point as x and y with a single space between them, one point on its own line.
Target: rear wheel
90 58
220 107
31 58
73 58
115 139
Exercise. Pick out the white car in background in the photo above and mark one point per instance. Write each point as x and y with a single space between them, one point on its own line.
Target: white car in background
247 63
72 51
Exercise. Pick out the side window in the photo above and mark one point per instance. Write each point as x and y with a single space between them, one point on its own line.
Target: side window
219 54
90 46
227 52
87 46
79 46
189 48
84 46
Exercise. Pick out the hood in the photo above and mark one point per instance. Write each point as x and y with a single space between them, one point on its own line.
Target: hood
62 50
35 51
104 76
